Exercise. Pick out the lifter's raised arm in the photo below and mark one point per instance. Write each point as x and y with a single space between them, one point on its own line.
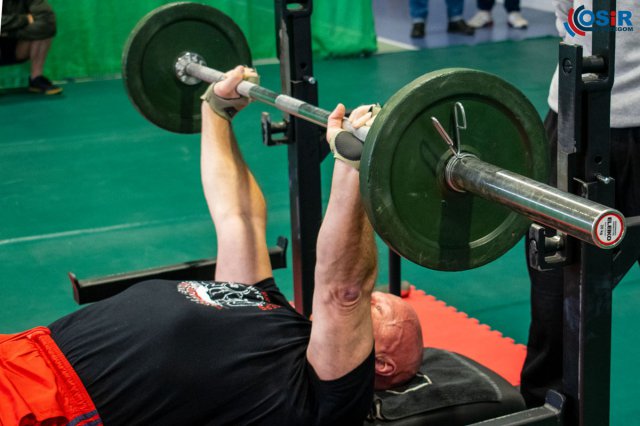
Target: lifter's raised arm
342 334
235 201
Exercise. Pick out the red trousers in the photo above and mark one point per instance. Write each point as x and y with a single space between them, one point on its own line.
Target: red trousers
38 386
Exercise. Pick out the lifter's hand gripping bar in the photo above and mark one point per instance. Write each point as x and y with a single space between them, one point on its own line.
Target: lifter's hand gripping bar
255 92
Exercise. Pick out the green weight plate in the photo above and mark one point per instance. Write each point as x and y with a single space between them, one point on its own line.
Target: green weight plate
402 168
151 52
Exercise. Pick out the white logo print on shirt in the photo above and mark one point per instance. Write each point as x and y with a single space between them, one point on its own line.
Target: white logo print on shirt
222 295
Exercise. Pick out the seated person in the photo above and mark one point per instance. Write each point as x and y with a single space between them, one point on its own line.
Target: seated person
229 351
27 30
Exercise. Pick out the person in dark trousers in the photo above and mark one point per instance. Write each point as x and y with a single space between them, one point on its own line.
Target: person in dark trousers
229 351
483 18
419 11
26 34
543 365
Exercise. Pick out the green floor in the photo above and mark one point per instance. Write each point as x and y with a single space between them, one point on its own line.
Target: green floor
87 185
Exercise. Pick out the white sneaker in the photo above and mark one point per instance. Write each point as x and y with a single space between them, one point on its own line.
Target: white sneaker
481 19
516 20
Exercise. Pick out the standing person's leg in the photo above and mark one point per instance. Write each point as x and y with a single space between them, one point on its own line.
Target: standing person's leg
512 5
36 51
235 201
35 42
625 150
23 50
418 10
456 23
543 365
38 83
483 18
38 55
486 5
514 16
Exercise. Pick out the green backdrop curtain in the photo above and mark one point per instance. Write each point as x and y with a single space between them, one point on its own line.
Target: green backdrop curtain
91 33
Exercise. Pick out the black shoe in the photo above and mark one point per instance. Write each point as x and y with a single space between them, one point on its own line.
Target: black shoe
460 27
43 85
417 31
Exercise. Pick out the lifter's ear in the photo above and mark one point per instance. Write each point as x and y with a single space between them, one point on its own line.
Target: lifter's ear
385 366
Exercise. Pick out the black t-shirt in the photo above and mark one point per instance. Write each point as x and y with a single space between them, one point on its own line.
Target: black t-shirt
200 353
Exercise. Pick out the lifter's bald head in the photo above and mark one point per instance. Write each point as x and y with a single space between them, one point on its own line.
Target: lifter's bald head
398 340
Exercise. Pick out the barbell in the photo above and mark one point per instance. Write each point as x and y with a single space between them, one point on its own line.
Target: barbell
431 197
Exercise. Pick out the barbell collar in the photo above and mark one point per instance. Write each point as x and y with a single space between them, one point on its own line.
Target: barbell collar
180 67
576 216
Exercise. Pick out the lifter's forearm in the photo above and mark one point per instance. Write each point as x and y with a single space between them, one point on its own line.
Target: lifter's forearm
236 204
225 176
342 331
346 247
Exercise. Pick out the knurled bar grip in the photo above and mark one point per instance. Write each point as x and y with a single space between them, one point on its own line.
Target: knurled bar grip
282 102
576 216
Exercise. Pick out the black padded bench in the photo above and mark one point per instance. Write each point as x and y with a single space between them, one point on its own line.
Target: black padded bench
450 389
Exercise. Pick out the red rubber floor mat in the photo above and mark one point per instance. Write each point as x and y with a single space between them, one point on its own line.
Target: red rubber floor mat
447 328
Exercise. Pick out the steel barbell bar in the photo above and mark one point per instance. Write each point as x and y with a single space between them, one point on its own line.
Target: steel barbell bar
190 65
576 216
418 194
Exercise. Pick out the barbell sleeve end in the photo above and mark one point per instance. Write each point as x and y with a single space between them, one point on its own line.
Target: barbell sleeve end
576 216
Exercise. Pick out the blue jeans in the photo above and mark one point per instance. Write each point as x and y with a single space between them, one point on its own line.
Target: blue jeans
509 5
419 9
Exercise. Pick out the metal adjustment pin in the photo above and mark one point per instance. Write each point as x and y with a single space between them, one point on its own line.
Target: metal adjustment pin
460 118
445 136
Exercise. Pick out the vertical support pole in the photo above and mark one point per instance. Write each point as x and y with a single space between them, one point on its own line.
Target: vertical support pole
293 25
583 156
395 282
